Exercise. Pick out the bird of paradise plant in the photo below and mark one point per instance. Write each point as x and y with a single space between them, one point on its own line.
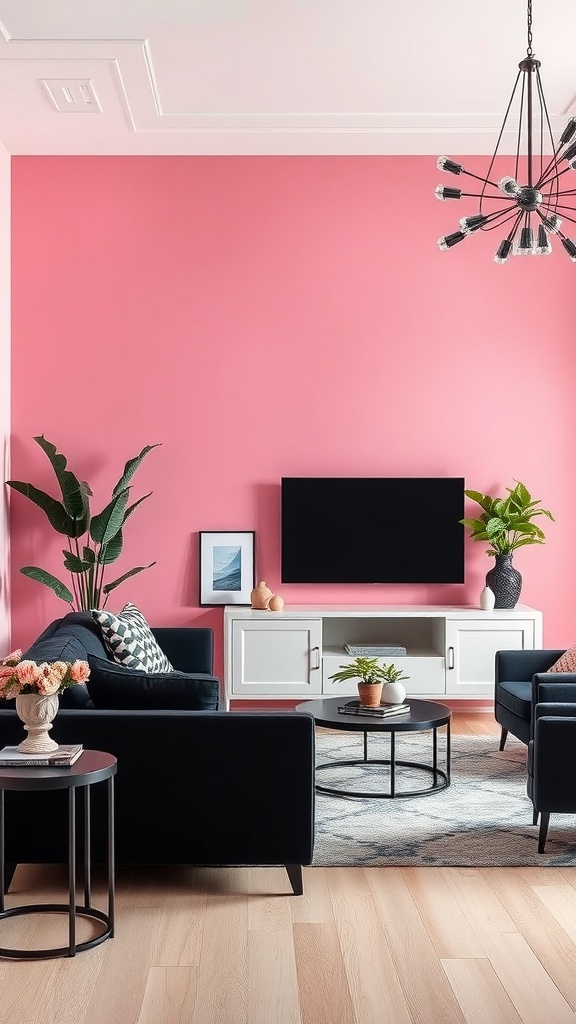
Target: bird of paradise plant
94 541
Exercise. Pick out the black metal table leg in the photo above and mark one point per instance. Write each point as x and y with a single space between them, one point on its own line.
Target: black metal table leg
87 857
435 755
71 872
2 864
392 764
111 856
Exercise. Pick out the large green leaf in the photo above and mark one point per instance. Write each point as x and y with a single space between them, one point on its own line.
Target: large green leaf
109 552
57 515
105 525
131 467
126 576
41 576
75 564
74 492
131 508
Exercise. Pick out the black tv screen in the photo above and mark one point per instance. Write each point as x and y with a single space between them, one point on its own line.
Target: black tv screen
372 529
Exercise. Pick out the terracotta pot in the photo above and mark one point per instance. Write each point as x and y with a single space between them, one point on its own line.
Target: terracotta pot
370 694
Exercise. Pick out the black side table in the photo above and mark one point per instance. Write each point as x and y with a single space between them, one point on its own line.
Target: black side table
91 767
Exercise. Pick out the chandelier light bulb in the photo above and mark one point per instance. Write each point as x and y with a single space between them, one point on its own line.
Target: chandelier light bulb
504 250
570 247
444 163
445 192
525 246
470 224
509 186
568 132
543 247
552 222
449 240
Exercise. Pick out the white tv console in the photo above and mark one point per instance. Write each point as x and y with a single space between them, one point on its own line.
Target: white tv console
293 653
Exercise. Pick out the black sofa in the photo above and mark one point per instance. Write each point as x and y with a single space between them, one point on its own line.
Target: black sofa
513 691
194 786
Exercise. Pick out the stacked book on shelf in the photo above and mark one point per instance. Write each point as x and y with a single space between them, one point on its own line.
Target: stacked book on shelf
354 707
64 757
375 650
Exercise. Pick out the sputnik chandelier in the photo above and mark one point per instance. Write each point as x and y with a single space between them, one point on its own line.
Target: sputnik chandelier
535 210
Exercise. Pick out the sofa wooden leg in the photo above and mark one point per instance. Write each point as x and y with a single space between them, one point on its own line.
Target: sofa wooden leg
544 821
503 736
295 876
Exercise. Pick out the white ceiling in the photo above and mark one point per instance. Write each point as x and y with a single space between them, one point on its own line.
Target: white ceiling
275 76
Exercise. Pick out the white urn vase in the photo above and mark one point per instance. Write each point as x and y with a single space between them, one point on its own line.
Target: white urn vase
393 693
487 599
37 712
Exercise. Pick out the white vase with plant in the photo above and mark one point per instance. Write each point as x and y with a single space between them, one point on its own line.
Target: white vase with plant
393 690
371 678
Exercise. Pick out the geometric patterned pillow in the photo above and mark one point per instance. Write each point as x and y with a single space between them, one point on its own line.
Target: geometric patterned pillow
129 640
566 662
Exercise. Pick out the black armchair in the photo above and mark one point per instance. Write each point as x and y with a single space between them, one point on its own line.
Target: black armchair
551 761
513 698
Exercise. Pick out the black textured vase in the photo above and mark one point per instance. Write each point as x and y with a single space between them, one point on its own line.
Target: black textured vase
505 582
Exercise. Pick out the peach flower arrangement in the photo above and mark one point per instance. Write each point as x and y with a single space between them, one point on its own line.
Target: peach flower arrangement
21 677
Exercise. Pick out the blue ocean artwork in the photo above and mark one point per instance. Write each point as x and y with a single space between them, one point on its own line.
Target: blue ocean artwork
227 567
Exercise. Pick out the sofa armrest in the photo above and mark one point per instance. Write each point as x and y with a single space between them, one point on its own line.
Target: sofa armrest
188 648
553 758
522 665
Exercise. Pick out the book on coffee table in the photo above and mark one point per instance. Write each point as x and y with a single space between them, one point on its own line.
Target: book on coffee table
64 757
354 707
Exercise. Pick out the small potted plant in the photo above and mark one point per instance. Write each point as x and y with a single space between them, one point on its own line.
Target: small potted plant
393 692
506 524
371 676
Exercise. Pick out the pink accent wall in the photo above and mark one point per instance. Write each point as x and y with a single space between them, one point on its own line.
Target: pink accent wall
270 316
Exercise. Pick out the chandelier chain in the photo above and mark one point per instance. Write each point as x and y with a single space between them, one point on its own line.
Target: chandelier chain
529 16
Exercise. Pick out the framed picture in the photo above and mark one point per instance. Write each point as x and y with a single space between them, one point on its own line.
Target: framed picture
226 566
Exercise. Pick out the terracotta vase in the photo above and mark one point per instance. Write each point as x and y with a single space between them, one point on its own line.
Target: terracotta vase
37 712
260 596
370 694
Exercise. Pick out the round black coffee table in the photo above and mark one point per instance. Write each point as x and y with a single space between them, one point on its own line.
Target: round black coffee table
423 715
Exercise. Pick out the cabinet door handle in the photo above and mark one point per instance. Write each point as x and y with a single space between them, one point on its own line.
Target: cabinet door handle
315 661
450 657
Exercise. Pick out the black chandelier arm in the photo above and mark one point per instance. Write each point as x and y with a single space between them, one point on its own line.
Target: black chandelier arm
566 216
491 165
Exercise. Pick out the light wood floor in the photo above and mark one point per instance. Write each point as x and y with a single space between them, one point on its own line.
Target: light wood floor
362 946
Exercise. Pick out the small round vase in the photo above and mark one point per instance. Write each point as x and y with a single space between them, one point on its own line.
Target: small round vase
487 600
37 712
393 693
370 694
505 582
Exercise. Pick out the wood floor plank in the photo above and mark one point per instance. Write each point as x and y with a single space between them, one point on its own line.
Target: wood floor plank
429 996
272 979
549 942
479 992
448 927
314 906
222 992
560 900
375 990
531 990
322 982
169 996
477 900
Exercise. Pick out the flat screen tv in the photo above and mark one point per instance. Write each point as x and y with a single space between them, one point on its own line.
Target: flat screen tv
372 529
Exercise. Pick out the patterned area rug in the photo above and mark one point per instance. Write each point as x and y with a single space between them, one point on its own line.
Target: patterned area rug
484 819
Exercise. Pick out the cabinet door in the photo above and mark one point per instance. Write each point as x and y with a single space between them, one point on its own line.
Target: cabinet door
276 658
471 648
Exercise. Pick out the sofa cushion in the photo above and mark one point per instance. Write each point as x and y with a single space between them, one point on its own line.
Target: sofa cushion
130 640
517 697
113 686
566 663
68 639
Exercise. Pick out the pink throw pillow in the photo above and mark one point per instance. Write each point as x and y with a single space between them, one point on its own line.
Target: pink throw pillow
566 662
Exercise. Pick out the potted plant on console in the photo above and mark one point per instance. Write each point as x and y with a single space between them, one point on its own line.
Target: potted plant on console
371 676
506 524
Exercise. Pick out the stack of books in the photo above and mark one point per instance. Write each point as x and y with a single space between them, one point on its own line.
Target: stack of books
375 650
64 757
354 707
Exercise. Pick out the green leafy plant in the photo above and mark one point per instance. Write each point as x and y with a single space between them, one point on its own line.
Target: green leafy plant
507 523
368 670
94 542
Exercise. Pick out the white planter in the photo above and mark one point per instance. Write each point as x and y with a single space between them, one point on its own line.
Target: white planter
393 693
487 600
